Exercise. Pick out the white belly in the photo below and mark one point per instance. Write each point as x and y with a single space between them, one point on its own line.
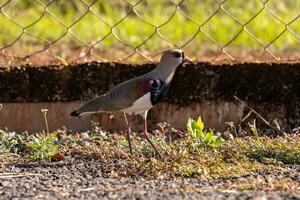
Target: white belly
140 106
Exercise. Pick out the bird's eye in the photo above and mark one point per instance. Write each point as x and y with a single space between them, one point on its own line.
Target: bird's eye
177 55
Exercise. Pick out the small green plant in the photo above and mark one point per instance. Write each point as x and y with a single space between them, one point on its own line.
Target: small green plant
162 143
255 130
43 147
202 137
12 142
96 131
123 143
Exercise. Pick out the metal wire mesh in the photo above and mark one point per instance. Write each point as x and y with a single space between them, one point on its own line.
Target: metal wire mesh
45 32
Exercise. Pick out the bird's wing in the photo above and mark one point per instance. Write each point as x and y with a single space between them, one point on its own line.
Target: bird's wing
124 95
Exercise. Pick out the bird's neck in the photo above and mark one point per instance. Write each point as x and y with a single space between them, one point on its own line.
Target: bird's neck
165 73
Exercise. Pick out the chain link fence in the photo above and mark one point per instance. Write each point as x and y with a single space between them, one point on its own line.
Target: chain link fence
44 32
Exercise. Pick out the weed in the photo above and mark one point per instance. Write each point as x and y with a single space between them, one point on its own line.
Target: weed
253 128
282 149
238 157
35 146
162 143
123 143
202 137
246 186
255 131
44 111
96 131
43 147
11 142
228 161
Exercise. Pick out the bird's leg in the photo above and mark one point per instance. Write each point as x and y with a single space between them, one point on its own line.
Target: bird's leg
146 134
128 131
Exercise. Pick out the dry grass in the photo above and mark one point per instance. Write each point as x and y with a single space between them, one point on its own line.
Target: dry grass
234 158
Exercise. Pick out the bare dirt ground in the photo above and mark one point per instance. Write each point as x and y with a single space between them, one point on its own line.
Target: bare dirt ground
97 165
88 179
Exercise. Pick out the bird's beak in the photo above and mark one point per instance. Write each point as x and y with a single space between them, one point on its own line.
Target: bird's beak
187 60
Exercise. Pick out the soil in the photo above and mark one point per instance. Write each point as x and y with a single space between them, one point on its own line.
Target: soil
89 179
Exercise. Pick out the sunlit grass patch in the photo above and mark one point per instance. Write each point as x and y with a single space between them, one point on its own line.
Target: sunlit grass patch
197 153
234 158
105 17
281 149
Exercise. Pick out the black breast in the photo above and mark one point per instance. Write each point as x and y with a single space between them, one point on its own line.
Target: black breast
158 90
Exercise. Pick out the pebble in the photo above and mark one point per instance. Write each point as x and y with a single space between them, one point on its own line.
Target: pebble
64 181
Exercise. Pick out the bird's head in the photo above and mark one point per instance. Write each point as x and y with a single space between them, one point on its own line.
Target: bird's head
173 58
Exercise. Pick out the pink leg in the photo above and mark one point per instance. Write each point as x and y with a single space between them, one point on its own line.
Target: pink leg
128 131
146 135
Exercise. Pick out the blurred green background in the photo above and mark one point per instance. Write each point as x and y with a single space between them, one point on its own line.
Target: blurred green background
225 27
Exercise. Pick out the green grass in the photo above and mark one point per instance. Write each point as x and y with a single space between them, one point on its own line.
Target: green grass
196 153
233 158
134 31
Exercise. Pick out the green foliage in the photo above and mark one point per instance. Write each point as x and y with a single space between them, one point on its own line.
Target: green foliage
96 131
36 146
238 157
43 147
202 137
162 143
263 27
11 142
254 130
123 143
280 149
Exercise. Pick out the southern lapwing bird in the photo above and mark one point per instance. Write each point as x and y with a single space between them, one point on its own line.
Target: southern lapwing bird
137 95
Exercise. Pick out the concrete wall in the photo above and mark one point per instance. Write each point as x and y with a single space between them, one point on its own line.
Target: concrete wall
200 89
28 116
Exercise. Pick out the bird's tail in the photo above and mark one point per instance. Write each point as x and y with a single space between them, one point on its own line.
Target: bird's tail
75 114
95 105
